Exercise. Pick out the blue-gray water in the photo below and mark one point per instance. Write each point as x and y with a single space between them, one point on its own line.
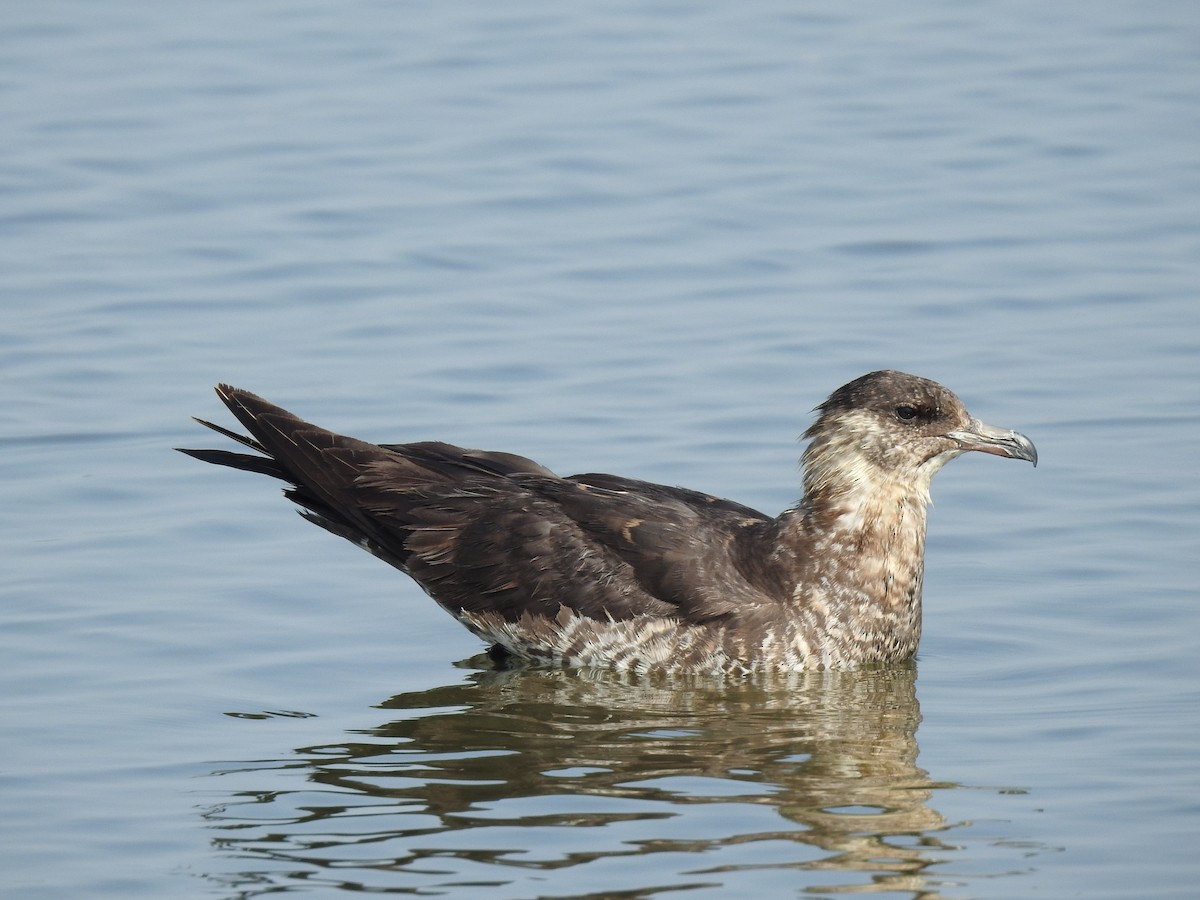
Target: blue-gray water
634 237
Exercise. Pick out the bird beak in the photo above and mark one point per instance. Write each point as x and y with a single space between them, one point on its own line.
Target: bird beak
998 441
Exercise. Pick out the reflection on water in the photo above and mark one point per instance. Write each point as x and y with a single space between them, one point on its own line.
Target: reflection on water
540 781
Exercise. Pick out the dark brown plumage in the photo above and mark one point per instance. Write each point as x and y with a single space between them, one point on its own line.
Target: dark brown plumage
599 570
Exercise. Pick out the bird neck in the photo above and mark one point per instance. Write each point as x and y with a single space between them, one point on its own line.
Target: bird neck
872 537
875 516
860 536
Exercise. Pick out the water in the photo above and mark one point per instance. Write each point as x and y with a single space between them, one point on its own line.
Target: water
642 238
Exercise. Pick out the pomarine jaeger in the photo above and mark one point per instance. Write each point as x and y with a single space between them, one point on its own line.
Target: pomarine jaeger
604 571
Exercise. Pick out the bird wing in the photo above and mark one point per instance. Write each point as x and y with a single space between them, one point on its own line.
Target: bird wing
494 532
683 546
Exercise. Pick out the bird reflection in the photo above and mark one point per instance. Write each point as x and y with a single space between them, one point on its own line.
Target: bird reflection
486 780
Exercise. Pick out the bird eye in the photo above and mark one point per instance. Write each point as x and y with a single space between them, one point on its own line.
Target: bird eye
905 413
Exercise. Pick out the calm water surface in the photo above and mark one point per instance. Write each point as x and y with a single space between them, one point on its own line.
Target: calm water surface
641 238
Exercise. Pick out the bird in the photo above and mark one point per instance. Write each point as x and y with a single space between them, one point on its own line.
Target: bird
602 571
